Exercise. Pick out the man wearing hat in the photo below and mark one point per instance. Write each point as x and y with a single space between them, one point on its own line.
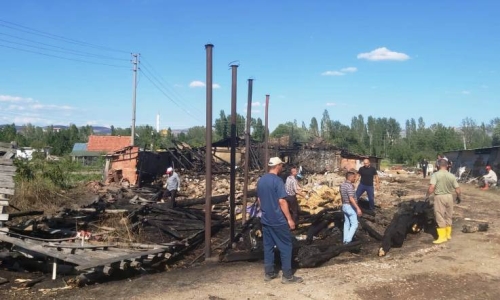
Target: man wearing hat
490 179
276 223
171 187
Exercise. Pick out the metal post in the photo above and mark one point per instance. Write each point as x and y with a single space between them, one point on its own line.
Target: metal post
266 135
134 94
232 180
208 156
247 151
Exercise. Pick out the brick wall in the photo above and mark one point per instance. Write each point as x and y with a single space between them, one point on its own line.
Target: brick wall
107 143
127 162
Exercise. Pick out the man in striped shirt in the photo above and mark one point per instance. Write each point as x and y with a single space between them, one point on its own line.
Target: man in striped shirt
292 189
349 207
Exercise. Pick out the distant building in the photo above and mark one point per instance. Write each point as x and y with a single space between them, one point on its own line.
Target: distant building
98 145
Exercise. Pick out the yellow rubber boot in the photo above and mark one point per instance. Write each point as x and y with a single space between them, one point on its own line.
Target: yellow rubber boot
441 235
448 232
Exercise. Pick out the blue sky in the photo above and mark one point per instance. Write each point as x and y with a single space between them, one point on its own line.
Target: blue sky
435 59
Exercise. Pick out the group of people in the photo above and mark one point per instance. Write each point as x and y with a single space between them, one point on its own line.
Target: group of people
280 211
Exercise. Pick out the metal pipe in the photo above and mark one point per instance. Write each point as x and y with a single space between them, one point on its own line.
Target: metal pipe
247 151
208 155
266 135
232 179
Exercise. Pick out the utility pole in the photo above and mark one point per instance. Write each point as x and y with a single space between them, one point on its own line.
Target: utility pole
135 62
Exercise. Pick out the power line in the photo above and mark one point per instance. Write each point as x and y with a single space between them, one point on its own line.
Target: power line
61 57
162 84
63 48
56 37
55 50
163 92
155 72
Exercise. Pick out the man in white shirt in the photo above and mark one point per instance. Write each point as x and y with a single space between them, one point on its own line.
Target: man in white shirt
490 179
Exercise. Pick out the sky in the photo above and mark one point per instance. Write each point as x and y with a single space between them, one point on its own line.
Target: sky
68 62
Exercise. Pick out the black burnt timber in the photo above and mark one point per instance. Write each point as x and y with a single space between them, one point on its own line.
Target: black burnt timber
321 257
25 213
371 231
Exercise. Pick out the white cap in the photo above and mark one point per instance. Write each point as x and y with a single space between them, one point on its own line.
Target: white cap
274 161
169 170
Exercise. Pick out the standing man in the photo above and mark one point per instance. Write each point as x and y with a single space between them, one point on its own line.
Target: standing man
368 175
276 222
490 179
349 207
292 189
442 185
424 165
171 187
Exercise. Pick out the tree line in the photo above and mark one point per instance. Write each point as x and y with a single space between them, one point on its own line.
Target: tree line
383 137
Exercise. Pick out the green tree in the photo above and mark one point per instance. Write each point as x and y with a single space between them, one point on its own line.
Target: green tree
313 127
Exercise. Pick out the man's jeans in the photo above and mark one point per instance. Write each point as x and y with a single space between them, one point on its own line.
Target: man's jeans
369 191
281 237
350 222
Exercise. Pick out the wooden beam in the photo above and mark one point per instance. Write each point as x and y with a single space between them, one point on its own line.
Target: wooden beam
8 168
4 202
4 217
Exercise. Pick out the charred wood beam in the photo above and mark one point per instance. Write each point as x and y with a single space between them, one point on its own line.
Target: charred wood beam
371 231
25 213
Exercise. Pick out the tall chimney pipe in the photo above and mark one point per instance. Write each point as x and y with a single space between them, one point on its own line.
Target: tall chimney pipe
208 155
247 151
266 135
232 180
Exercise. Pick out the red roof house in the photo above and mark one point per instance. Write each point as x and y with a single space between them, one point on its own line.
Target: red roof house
106 143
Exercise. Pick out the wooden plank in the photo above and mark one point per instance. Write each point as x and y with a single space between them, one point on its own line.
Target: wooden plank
4 217
38 248
7 185
6 168
4 202
6 162
8 173
103 262
7 191
6 177
79 246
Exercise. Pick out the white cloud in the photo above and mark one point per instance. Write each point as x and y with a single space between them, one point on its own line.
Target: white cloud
51 107
332 73
199 84
8 98
331 104
256 103
340 72
254 111
196 83
465 92
383 54
349 70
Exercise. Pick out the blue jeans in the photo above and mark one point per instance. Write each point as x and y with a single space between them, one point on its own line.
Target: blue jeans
350 222
369 191
281 237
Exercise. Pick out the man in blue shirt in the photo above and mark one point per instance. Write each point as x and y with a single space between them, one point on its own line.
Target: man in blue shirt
276 222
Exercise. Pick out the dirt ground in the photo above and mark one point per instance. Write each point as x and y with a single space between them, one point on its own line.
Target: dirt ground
467 267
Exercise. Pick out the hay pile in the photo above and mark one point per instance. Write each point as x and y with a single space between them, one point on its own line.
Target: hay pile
320 197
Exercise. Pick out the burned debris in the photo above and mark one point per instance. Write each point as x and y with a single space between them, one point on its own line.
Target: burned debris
125 229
